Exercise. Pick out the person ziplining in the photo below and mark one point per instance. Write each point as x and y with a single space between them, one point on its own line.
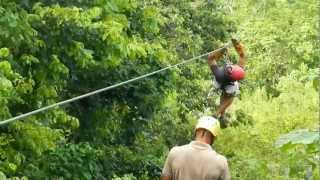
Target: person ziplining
226 78
226 82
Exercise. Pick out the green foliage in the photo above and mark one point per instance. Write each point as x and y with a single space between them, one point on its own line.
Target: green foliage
69 162
126 177
280 94
52 50
277 41
300 150
302 136
296 107
4 52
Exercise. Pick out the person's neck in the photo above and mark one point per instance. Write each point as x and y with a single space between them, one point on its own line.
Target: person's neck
203 140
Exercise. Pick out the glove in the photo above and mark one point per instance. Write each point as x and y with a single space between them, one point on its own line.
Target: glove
218 53
238 46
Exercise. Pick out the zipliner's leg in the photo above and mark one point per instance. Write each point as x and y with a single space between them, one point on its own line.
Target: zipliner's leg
225 102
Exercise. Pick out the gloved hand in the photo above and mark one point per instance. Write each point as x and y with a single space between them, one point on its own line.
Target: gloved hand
220 52
217 54
238 46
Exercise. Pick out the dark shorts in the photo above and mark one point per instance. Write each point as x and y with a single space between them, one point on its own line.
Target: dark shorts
231 88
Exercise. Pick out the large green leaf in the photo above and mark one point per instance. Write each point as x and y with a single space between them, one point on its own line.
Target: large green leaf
301 136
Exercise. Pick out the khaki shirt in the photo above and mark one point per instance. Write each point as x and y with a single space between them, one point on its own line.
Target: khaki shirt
195 161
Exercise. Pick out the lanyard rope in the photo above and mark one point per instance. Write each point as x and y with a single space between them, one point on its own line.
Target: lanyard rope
104 89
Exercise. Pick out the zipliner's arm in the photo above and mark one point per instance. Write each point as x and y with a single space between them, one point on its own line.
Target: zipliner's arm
240 50
214 57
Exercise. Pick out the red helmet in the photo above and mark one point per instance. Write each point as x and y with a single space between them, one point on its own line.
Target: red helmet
235 72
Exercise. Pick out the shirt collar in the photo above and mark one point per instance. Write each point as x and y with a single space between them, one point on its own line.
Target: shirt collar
200 145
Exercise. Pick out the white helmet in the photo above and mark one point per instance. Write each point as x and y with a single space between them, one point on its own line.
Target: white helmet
209 123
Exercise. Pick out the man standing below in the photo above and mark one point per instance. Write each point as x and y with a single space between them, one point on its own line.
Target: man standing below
197 160
226 78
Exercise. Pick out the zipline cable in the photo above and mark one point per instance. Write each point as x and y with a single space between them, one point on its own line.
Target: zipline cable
105 89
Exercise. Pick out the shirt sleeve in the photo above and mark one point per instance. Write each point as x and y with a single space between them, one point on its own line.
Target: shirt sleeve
167 169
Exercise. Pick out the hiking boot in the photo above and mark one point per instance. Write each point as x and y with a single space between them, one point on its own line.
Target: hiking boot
224 122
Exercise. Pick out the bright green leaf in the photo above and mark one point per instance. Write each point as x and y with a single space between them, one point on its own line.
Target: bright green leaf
4 52
302 136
